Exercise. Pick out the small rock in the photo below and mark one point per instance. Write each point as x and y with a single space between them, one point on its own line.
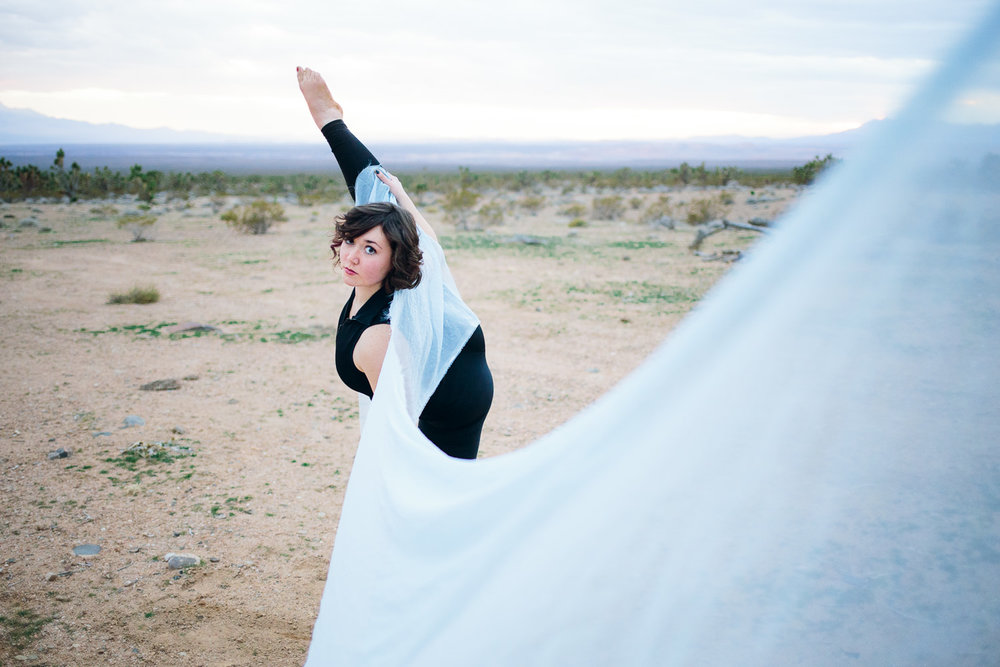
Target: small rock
133 420
51 576
25 223
178 561
97 434
213 559
179 430
59 454
87 550
189 378
168 384
26 657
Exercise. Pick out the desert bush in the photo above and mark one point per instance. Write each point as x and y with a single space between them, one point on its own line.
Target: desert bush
578 222
104 210
531 204
808 172
657 211
635 203
459 201
137 295
608 208
139 225
490 214
702 210
574 210
255 218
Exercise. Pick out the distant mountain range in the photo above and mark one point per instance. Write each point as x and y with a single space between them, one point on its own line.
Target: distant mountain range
28 137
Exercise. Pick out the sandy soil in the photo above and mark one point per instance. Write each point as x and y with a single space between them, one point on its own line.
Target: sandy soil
263 431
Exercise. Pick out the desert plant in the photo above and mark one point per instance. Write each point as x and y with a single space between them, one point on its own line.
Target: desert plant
255 218
574 210
459 201
491 214
104 210
702 210
137 295
658 211
140 225
635 203
531 204
578 222
808 172
608 208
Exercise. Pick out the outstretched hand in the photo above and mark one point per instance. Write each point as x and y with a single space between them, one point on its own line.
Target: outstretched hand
404 201
395 187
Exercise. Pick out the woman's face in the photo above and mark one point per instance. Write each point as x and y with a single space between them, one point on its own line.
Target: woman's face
366 259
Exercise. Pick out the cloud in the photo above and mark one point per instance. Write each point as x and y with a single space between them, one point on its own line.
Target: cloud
211 65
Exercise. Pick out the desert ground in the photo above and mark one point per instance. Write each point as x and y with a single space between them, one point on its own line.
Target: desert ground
248 457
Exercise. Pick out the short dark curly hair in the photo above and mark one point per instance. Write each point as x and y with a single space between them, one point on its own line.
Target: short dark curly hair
398 227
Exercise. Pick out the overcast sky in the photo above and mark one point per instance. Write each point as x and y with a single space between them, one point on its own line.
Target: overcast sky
509 69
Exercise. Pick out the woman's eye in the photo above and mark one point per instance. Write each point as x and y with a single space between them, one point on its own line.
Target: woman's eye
370 250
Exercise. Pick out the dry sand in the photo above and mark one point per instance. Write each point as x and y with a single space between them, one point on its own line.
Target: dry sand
270 429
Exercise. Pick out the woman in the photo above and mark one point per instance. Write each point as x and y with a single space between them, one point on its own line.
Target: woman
378 248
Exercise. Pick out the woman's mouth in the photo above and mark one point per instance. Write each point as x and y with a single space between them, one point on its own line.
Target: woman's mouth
348 272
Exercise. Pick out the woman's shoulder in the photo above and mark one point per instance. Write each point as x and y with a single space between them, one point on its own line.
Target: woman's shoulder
375 310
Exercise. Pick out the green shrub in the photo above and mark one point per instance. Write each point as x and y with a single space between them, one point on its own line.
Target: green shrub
574 210
458 204
608 208
137 295
532 204
703 210
490 214
578 222
254 218
657 210
139 225
808 172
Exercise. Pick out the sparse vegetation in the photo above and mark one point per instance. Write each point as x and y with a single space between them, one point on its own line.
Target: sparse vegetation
658 211
18 628
610 207
463 189
808 172
491 214
255 218
574 210
139 225
136 295
461 198
703 210
531 204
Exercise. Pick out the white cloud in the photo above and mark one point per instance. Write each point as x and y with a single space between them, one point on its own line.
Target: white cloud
226 64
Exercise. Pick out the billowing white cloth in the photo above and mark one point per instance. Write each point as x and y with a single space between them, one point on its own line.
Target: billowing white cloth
806 472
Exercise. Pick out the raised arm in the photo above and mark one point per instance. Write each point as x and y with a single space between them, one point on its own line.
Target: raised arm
396 188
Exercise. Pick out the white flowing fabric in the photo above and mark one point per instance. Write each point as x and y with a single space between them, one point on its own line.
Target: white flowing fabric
806 472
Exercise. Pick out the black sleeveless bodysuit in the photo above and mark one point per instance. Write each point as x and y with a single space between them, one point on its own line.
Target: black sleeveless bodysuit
454 415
